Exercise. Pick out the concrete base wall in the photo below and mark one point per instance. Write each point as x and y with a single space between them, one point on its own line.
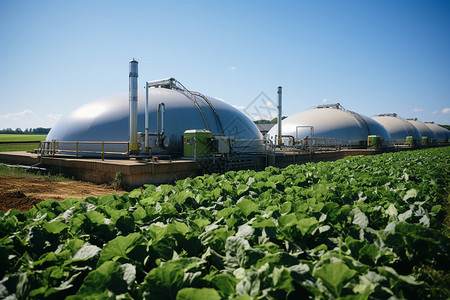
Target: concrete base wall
134 172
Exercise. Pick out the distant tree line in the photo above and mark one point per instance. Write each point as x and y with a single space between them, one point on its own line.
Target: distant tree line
38 130
273 121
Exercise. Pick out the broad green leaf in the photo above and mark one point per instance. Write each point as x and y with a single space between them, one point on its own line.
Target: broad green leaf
392 211
282 280
95 217
287 220
119 247
178 228
436 208
412 193
86 252
54 227
242 188
198 294
157 231
139 213
286 207
129 273
245 231
390 272
405 216
261 223
335 275
107 276
247 206
305 224
368 254
249 285
164 282
360 218
226 284
136 194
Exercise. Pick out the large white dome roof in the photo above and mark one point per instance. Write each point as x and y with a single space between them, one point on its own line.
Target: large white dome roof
108 119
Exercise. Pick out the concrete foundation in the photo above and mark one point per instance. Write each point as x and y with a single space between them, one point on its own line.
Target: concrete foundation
134 172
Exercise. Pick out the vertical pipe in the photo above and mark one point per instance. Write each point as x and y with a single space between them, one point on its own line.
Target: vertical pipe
162 112
133 84
146 117
279 117
158 137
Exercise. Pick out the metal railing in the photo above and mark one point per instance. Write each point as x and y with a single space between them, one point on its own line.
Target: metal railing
317 143
50 148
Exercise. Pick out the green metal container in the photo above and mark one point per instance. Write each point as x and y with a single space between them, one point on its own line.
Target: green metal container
197 143
373 142
425 140
410 141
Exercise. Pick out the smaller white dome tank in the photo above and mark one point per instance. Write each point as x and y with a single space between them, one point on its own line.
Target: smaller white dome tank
424 130
399 128
334 122
442 134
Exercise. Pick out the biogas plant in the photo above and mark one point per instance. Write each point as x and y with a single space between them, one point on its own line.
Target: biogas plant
176 133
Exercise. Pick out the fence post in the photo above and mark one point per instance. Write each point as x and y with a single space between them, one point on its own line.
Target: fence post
77 149
103 150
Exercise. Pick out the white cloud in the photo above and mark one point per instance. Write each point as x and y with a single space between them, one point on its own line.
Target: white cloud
418 109
54 117
270 104
232 68
324 100
18 116
445 111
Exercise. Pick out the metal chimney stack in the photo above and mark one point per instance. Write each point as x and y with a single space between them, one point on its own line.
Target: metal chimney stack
279 117
133 76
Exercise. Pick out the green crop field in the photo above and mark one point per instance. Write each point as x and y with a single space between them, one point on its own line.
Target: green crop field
373 227
7 138
7 147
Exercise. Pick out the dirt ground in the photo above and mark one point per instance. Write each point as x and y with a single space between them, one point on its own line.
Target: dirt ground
24 193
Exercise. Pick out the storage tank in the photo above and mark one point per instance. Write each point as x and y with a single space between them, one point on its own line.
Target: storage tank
350 129
108 120
398 128
442 134
424 130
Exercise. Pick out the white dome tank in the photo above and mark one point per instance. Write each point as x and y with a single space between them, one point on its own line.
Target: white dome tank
107 119
424 130
442 134
332 121
398 128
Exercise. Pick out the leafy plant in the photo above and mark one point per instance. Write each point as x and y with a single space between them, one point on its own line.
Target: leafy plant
361 227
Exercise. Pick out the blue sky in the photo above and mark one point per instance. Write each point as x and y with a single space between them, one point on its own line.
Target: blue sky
371 56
